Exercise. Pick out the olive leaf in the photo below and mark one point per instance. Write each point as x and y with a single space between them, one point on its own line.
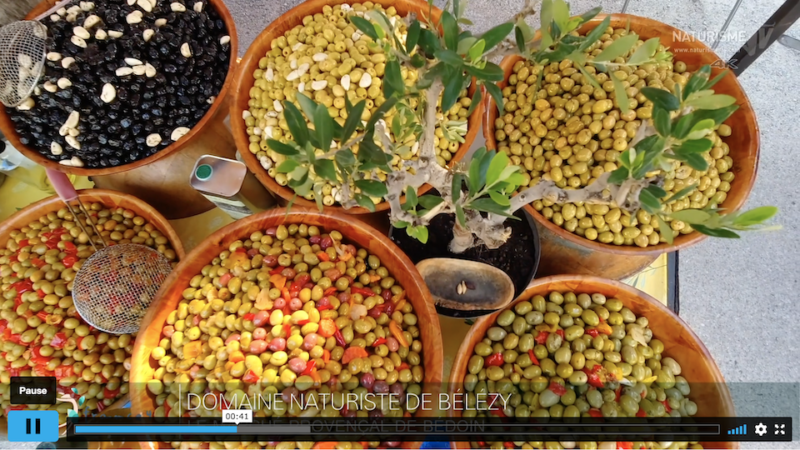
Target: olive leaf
296 122
755 216
661 98
450 29
546 16
411 197
449 56
372 188
393 79
712 102
365 26
499 198
645 52
490 72
287 166
326 169
281 148
595 34
465 44
430 201
621 96
649 202
680 194
695 146
617 48
496 166
715 232
308 106
412 36
476 50
323 127
460 216
692 216
365 202
497 95
476 100
665 229
353 120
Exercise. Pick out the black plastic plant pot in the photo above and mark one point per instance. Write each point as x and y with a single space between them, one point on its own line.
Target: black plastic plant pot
518 258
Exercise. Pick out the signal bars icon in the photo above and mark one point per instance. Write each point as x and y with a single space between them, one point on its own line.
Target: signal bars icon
740 430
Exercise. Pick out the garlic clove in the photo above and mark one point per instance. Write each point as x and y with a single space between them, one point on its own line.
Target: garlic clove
149 70
224 40
178 133
91 21
147 35
161 22
145 5
66 62
73 119
81 32
78 41
198 7
56 149
186 51
139 70
115 34
346 82
277 105
153 140
64 83
366 80
73 142
124 71
177 7
133 62
53 56
109 93
100 35
319 85
134 17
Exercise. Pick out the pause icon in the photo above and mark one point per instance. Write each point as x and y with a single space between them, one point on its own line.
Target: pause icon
739 430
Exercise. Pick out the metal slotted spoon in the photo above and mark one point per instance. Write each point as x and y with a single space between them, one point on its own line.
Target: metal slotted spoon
114 287
22 56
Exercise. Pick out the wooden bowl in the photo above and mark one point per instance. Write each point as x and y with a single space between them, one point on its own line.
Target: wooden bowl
709 390
263 43
401 268
565 252
111 199
215 113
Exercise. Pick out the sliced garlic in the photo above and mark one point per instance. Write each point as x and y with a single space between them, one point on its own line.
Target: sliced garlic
66 62
277 105
109 93
224 40
319 85
211 100
73 119
319 57
186 51
124 71
257 131
74 9
115 34
55 17
62 12
56 149
64 83
76 162
303 69
73 142
293 63
177 7
50 87
26 104
91 21
346 82
134 17
72 17
66 162
139 70
53 56
73 132
268 131
161 22
178 133
153 140
81 33
366 80
130 2
145 5
198 6
301 87
147 34
246 114
293 75
149 70
77 40
100 35
87 6
270 74
133 62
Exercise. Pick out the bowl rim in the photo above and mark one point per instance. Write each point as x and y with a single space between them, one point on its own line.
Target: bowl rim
681 241
213 112
241 95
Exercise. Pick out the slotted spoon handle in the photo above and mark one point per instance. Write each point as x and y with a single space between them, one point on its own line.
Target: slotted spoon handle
62 185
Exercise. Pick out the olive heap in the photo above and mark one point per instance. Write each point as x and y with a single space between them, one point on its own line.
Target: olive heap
571 133
123 79
41 333
329 60
292 313
575 355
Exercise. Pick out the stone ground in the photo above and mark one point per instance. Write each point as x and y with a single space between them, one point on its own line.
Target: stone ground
738 296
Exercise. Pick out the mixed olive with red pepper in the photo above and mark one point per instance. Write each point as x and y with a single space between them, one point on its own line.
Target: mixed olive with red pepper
575 355
41 333
290 313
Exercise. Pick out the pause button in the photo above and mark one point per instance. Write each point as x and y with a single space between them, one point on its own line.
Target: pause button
33 426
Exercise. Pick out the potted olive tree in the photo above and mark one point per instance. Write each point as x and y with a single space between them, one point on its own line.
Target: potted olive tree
482 195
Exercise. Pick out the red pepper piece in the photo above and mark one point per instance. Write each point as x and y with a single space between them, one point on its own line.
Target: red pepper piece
40 293
339 338
69 261
365 292
14 372
3 325
641 413
541 338
508 444
223 280
378 342
534 360
250 377
624 445
22 286
560 332
63 371
557 388
594 412
403 366
309 367
303 322
107 393
24 243
277 270
592 332
666 405
494 360
101 406
38 262
249 316
241 250
78 343
58 340
42 315
324 304
594 377
330 290
69 247
287 329
323 256
13 337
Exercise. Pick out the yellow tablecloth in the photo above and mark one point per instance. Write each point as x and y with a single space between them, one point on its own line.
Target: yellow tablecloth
15 195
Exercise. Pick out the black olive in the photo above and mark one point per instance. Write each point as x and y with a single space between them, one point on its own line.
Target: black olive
133 156
170 68
140 140
102 139
182 121
126 122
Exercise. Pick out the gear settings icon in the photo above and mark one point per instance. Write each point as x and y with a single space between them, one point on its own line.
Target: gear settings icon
761 429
